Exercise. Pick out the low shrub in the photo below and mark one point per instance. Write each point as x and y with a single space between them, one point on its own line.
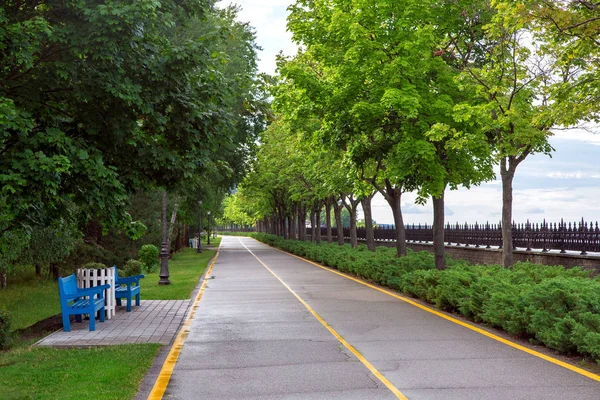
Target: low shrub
132 268
148 255
556 306
94 265
5 335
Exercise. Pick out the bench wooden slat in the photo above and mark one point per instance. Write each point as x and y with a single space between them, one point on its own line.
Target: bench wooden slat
125 289
76 301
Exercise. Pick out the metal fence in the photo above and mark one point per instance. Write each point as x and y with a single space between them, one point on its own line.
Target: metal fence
234 228
563 236
579 236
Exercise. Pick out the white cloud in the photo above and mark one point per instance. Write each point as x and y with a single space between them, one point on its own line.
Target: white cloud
566 175
589 135
268 17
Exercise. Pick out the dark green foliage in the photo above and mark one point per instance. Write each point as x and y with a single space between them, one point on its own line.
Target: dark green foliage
5 336
148 255
89 253
99 100
94 265
132 268
556 306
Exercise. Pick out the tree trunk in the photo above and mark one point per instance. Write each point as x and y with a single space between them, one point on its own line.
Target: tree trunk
353 234
55 272
291 227
172 225
507 173
366 206
439 245
302 222
276 223
351 204
394 196
38 270
337 210
3 279
284 231
318 220
178 239
93 231
298 217
328 222
313 232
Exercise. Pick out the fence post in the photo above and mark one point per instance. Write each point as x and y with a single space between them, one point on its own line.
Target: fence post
528 235
583 237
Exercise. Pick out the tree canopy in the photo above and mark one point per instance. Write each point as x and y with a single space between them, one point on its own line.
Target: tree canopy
99 99
422 96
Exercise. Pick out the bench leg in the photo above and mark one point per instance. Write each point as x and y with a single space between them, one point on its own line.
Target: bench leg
118 301
102 314
137 299
129 304
92 321
78 317
66 322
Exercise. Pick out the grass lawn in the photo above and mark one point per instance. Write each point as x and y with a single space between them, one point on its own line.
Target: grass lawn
185 269
213 241
105 372
99 373
29 299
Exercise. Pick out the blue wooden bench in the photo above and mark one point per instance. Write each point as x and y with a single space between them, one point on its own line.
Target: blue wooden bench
126 288
76 301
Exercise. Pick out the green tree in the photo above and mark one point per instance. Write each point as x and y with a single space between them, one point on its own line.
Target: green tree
569 31
512 107
387 98
100 99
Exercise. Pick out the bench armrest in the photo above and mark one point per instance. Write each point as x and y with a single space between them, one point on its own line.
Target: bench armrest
92 291
129 280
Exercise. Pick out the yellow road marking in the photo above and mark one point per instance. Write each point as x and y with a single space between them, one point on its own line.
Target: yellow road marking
371 368
158 390
456 321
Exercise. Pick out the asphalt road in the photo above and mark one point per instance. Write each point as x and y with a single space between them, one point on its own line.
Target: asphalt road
272 326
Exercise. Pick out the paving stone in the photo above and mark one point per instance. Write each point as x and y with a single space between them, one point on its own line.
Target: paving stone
142 325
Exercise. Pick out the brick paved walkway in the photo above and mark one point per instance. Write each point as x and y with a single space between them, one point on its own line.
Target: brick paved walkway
154 321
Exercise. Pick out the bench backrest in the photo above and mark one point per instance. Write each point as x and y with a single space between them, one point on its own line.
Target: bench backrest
67 287
116 273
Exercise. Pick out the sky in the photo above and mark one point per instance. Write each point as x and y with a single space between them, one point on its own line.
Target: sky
564 186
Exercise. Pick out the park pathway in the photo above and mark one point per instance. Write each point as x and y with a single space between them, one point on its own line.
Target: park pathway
273 326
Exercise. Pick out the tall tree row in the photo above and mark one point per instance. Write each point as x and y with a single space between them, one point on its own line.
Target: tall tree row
425 96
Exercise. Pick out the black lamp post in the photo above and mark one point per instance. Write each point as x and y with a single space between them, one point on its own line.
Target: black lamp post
164 251
208 230
200 226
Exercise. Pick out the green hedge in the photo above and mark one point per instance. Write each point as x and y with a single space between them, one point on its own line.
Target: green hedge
548 304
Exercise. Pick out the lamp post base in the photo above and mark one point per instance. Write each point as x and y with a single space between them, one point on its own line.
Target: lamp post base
164 266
